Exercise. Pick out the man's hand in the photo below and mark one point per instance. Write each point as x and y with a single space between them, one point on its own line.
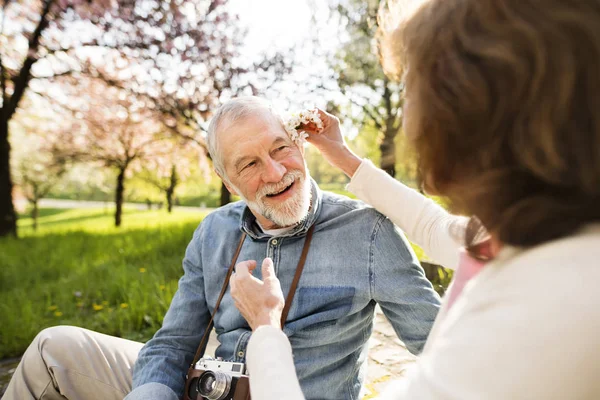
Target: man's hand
259 302
330 142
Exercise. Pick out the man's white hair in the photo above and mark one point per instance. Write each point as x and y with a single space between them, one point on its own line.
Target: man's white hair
234 110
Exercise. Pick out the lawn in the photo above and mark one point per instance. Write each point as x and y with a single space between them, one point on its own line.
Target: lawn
78 269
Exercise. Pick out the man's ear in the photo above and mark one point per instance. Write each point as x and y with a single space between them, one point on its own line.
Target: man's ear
227 185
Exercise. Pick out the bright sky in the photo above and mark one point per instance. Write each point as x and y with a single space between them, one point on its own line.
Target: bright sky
285 24
273 23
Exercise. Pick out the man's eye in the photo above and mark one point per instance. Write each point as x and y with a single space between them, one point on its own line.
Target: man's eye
282 148
250 164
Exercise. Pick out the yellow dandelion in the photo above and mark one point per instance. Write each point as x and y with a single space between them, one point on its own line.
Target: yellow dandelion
52 308
142 270
97 307
162 287
58 314
124 305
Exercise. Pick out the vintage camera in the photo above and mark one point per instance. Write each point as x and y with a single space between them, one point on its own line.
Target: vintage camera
218 380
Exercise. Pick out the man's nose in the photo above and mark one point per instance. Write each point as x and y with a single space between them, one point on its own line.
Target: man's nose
274 171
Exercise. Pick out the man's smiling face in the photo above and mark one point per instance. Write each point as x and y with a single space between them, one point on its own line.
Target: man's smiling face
266 169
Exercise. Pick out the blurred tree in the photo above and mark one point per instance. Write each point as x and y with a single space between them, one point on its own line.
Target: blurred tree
177 55
114 129
166 170
37 170
375 100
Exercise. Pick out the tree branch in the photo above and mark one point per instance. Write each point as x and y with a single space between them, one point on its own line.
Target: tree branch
22 80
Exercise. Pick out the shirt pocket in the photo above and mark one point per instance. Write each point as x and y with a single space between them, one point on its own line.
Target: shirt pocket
319 308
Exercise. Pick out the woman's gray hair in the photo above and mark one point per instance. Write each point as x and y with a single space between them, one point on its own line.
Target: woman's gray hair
234 110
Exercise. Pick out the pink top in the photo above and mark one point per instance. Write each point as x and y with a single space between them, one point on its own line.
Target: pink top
467 268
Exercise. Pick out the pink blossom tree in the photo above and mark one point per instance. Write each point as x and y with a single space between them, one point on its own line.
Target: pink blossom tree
166 170
37 169
178 57
113 129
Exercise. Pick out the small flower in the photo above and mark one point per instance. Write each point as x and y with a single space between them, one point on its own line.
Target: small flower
52 308
58 314
124 305
77 294
162 287
97 307
295 121
142 270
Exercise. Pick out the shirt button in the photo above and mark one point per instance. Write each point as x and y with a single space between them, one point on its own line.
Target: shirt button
274 242
240 354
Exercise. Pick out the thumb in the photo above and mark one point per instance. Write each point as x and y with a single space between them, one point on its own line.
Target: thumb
268 270
245 267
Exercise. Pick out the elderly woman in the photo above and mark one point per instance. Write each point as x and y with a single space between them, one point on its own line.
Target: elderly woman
502 107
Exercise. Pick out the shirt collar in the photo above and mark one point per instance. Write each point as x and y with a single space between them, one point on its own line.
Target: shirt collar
248 221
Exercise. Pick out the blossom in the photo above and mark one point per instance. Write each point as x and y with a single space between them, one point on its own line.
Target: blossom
58 314
52 308
124 305
142 270
97 307
295 121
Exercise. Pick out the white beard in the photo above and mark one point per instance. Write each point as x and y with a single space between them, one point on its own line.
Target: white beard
289 212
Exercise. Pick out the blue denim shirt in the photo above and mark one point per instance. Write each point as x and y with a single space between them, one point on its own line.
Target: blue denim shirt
357 258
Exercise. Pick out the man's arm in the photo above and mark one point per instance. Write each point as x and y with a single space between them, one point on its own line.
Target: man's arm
400 286
164 360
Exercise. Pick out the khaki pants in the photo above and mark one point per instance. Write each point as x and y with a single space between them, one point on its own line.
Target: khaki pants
74 363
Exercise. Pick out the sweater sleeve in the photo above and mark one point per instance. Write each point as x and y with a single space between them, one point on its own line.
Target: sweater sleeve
270 354
439 233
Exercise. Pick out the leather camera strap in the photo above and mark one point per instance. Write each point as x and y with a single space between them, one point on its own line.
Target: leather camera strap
299 268
288 300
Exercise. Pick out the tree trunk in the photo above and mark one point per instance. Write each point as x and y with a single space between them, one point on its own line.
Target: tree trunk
8 218
388 153
225 195
169 201
119 196
171 189
388 145
35 212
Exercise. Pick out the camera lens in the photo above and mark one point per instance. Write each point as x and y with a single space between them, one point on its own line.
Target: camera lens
214 385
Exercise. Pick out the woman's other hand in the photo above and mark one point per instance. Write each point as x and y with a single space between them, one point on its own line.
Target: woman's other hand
259 302
330 142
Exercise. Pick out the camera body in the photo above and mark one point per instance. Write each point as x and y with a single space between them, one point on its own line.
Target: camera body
212 379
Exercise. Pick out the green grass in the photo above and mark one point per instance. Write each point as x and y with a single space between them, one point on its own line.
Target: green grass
78 269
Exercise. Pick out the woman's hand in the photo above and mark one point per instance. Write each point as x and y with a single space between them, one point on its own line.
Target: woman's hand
330 142
259 302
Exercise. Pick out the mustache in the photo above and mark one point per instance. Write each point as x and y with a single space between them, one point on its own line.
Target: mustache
286 181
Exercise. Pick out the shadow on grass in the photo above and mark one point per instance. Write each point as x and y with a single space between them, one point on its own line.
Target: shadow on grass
75 218
44 212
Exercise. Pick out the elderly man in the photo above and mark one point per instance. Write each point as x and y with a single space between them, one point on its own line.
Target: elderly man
356 258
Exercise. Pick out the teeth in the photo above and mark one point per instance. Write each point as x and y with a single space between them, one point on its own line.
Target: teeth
281 191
